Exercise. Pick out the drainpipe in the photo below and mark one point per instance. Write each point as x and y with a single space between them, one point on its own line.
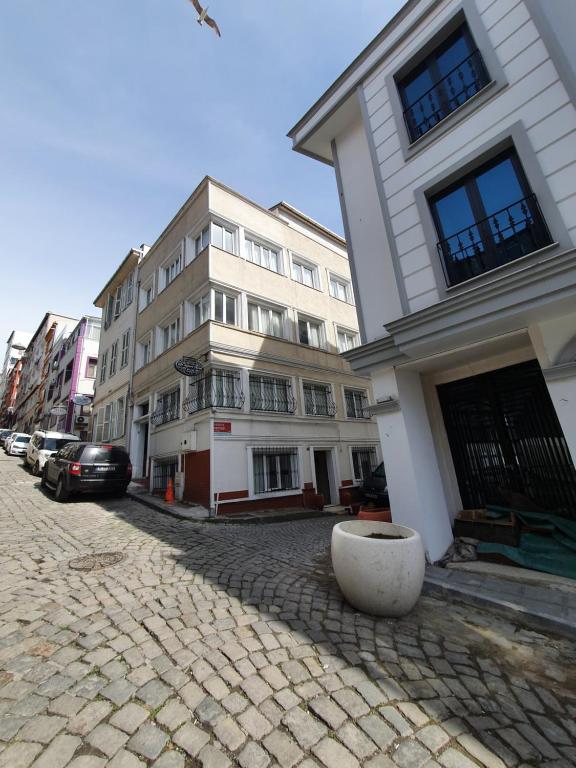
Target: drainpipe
75 375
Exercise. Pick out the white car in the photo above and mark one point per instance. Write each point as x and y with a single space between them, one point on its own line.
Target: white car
18 444
43 445
6 441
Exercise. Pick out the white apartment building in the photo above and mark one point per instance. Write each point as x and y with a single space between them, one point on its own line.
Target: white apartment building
117 300
262 301
73 363
453 138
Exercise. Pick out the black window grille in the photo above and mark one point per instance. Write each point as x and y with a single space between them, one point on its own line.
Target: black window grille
167 409
275 469
364 462
162 472
318 400
356 404
218 389
445 80
270 394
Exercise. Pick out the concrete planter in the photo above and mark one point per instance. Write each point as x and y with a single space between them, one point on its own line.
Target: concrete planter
383 577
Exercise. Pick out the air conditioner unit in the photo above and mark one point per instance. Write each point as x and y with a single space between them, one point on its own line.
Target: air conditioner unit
81 420
188 441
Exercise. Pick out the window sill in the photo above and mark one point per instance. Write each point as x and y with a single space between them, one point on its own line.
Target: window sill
312 287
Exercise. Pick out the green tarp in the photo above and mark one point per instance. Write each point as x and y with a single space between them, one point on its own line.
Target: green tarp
549 546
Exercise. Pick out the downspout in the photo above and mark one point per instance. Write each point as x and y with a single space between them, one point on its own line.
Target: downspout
75 377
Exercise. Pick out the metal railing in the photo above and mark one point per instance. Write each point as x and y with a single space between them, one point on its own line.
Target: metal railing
357 406
215 390
270 394
446 95
161 473
318 400
166 413
503 237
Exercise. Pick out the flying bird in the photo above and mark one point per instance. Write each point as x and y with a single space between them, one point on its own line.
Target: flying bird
204 18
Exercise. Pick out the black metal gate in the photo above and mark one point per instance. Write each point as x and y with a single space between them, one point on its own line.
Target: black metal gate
505 438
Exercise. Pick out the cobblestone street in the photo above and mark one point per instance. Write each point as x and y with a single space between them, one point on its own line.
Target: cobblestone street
230 645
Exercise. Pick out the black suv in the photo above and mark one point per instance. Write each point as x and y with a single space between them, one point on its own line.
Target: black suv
87 468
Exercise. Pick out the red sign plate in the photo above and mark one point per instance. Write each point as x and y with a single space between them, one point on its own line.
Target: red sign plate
222 426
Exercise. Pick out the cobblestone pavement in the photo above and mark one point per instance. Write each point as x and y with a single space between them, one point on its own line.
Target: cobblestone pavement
230 645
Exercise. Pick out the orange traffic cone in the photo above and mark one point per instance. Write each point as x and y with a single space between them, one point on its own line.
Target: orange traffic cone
169 495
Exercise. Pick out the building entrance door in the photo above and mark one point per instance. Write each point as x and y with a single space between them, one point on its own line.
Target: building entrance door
322 464
505 437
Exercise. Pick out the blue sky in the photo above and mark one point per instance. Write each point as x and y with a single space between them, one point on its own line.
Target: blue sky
111 112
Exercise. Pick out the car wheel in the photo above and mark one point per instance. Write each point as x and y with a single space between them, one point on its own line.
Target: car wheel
36 469
61 493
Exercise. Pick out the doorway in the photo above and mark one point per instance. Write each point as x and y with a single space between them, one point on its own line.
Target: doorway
323 471
505 438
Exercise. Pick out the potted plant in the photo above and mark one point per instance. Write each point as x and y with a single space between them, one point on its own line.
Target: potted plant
378 566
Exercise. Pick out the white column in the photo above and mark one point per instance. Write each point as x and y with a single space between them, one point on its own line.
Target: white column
417 497
561 383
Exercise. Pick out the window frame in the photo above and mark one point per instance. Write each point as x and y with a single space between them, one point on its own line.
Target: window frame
341 330
91 362
103 367
125 349
303 263
308 319
264 306
263 244
174 389
358 448
343 283
358 410
166 337
168 272
330 399
295 470
145 287
113 359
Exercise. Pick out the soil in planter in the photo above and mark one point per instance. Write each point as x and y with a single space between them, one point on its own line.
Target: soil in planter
381 536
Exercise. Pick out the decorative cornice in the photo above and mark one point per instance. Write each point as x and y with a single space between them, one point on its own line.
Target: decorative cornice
384 406
561 371
382 351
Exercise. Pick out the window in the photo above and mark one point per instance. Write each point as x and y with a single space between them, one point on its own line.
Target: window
275 469
68 371
201 311
92 330
98 426
144 348
356 404
109 310
265 320
113 357
340 289
170 334
346 339
268 393
201 241
118 302
262 255
305 274
222 237
91 368
129 289
106 422
172 270
364 462
318 400
167 407
125 349
447 78
310 332
146 296
488 218
103 364
218 389
119 418
224 308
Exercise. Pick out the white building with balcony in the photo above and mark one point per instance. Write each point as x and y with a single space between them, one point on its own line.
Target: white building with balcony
453 138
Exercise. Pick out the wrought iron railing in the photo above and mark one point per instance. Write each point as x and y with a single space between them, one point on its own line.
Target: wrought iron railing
216 390
166 413
356 405
499 239
446 95
318 400
162 473
269 394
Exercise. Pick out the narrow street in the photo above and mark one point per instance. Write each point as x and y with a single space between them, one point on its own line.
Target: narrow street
227 645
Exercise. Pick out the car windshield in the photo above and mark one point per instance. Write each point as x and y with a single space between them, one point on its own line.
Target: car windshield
22 439
54 443
104 454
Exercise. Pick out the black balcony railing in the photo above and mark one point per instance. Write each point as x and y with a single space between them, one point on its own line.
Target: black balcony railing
269 394
216 390
162 473
166 413
356 405
446 95
318 401
503 237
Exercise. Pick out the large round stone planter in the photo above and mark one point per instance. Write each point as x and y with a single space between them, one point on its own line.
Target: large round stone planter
383 577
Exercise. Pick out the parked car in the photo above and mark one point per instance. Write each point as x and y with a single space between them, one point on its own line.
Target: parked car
17 444
6 441
87 468
4 433
375 487
44 444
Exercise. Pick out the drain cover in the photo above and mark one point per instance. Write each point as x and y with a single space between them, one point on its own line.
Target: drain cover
96 561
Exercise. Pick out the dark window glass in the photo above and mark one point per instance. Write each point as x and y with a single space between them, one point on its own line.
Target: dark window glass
53 443
104 454
447 78
487 219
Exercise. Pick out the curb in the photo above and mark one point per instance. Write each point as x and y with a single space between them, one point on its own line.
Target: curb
520 613
262 520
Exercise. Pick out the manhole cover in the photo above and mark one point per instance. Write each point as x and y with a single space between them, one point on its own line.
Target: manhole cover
96 561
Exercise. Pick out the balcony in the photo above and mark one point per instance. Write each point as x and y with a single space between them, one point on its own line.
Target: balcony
216 390
446 95
499 239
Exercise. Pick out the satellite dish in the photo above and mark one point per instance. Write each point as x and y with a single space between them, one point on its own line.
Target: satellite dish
189 366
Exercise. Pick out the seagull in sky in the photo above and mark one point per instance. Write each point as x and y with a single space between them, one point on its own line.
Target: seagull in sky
204 18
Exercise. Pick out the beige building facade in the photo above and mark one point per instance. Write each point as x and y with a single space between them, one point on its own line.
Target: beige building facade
262 301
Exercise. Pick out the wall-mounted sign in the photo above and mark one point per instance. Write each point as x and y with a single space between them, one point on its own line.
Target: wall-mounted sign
81 400
222 426
189 366
59 410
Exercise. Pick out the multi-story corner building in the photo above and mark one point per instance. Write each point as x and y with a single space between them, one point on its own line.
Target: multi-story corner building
73 362
8 402
29 408
116 355
453 137
15 348
262 301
